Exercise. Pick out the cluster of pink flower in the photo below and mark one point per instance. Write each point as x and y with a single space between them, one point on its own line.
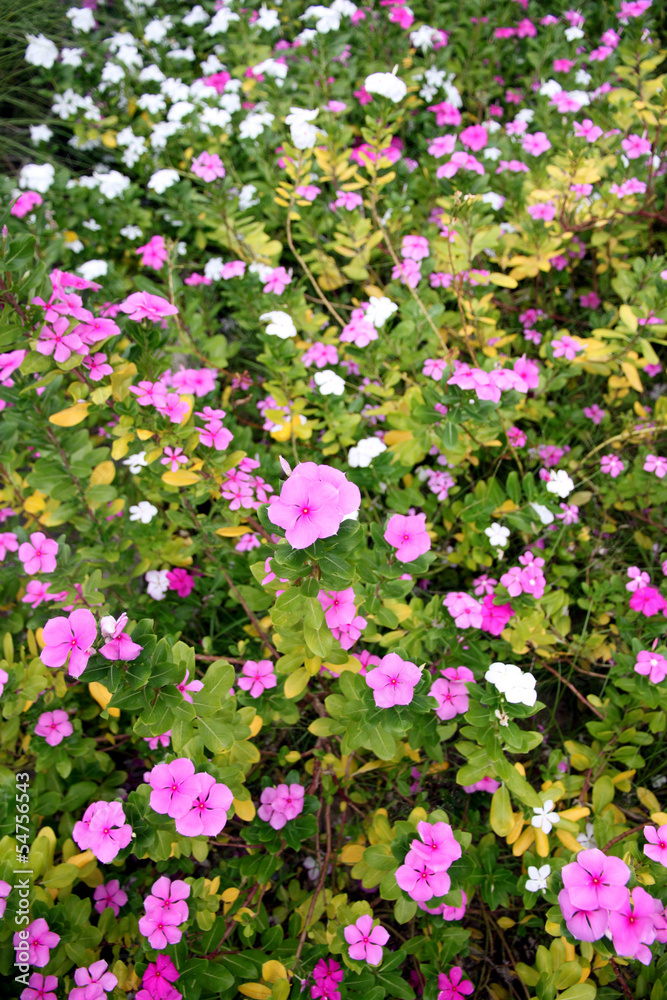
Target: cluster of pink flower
451 693
408 535
341 615
527 578
196 801
157 979
281 803
165 910
103 830
208 166
440 482
195 381
74 636
595 902
154 253
243 489
257 677
327 975
313 503
271 404
359 331
93 983
393 681
464 609
423 874
213 434
320 354
489 385
69 328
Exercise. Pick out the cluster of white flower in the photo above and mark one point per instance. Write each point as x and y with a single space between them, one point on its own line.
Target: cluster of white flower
517 687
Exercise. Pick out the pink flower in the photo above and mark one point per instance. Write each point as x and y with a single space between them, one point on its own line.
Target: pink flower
465 610
308 192
584 925
110 895
611 465
415 248
474 137
277 281
103 830
97 366
73 637
656 849
566 347
593 880
408 535
173 457
167 897
174 787
40 940
257 677
420 880
157 979
321 355
208 813
648 601
5 889
208 166
8 543
366 941
460 161
313 502
631 924
181 581
637 579
438 845
447 912
635 146
154 253
544 210
280 804
338 606
25 203
516 437
393 681
595 413
485 784
160 928
442 145
186 687
535 144
359 331
657 464
40 987
54 726
434 368
144 305
454 986
484 585
451 693
651 665
93 982
39 554
495 616
445 114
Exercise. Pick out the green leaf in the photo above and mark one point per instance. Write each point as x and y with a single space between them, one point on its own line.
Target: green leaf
289 607
218 679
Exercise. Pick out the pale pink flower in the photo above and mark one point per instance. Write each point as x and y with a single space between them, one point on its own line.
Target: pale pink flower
208 813
144 305
54 726
93 983
174 787
365 941
73 637
40 940
40 987
208 166
110 895
257 677
393 681
652 665
421 880
656 464
280 804
612 465
408 535
39 554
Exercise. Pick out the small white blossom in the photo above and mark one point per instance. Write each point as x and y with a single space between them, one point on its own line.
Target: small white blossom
545 818
329 383
40 133
363 453
387 85
37 177
136 463
380 308
158 583
162 179
544 514
41 51
93 269
497 534
143 511
280 324
82 19
560 483
537 878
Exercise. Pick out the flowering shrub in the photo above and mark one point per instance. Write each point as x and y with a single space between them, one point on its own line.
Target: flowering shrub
332 480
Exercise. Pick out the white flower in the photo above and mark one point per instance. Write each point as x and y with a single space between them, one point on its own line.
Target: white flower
157 30
247 196
363 453
131 232
129 56
492 153
92 225
280 324
158 584
548 89
267 19
582 77
329 383
143 511
587 838
573 34
151 74
263 270
187 54
93 269
328 19
537 878
162 179
74 246
136 463
560 483
109 625
179 110
41 51
387 85
517 686
82 19
380 308
497 534
544 514
111 184
545 818
423 37
496 201
501 675
253 126
221 21
40 133
71 57
37 177
196 16
304 135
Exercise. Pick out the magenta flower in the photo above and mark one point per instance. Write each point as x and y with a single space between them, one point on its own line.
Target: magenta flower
92 983
39 554
173 457
393 682
144 305
208 813
437 846
611 465
454 986
447 912
648 601
656 849
594 880
338 606
5 889
421 880
167 897
110 895
451 693
174 787
25 203
495 616
103 830
154 253
157 979
257 677
40 941
366 941
292 512
73 637
408 535
584 925
40 987
208 166
121 648
160 928
187 687
54 726
651 665
280 804
485 784
632 926
181 581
